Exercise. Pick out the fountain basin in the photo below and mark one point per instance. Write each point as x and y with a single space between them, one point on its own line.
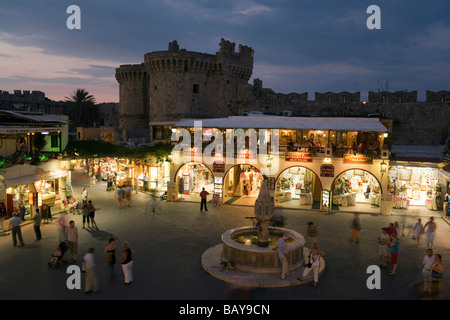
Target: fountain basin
251 258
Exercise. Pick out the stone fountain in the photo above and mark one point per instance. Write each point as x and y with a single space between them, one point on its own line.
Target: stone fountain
250 249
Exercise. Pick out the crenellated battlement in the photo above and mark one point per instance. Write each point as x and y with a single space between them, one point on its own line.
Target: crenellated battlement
392 97
238 65
131 72
341 97
439 96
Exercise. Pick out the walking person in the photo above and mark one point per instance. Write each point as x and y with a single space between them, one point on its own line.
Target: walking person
356 227
62 224
437 268
203 196
119 196
126 259
436 274
383 248
418 231
89 267
92 214
283 255
311 234
394 253
314 264
37 224
110 256
22 208
430 230
397 228
72 238
391 230
14 223
86 215
427 265
46 213
84 195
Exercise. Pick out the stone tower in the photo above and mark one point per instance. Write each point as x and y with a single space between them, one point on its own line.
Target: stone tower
175 84
133 95
186 84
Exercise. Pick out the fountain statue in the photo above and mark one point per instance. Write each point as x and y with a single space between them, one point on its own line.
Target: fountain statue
250 249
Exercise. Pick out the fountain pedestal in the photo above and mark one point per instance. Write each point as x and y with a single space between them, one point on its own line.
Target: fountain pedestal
256 259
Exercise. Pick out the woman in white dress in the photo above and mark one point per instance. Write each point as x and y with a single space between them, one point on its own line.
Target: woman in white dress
418 231
314 259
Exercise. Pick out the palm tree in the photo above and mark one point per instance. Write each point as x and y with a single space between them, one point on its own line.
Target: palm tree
81 110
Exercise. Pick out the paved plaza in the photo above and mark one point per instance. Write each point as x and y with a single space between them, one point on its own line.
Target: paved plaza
169 246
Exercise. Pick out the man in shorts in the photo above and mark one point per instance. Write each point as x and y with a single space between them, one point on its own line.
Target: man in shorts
383 248
72 238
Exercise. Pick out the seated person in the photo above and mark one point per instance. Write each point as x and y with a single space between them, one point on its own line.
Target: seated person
367 193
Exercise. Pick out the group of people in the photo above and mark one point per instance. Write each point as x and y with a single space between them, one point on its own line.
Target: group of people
126 261
388 247
123 193
314 255
16 229
429 229
89 262
432 269
388 243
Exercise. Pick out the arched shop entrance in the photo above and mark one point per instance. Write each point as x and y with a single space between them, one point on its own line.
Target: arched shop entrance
191 178
358 189
242 183
298 187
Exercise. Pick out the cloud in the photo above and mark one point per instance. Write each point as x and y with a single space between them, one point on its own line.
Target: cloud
34 66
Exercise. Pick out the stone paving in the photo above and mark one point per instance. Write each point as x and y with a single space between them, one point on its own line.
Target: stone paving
170 243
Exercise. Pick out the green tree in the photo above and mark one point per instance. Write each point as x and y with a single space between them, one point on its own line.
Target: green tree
81 109
39 143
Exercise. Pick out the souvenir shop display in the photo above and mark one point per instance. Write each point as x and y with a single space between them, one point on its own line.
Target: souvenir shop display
295 184
250 182
414 186
356 186
195 177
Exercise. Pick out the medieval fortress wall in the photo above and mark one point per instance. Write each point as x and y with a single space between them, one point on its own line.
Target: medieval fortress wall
178 84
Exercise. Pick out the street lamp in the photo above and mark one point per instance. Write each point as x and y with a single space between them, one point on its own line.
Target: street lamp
383 166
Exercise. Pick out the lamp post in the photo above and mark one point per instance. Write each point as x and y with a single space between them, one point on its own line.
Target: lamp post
383 166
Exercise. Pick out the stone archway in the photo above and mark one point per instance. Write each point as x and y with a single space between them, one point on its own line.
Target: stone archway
242 181
298 187
356 189
191 177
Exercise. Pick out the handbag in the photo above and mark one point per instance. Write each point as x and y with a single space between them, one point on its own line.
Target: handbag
435 274
309 264
83 268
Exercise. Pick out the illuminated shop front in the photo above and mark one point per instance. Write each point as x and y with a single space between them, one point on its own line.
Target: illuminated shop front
155 176
310 163
243 180
297 185
415 186
193 177
356 186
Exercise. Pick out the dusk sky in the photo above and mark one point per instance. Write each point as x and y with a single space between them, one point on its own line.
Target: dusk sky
300 45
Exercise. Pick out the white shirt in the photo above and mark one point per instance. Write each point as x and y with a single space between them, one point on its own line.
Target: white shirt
89 261
282 248
385 239
428 261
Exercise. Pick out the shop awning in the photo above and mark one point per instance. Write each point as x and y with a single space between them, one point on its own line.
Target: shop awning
445 172
21 174
417 154
290 123
54 169
14 182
